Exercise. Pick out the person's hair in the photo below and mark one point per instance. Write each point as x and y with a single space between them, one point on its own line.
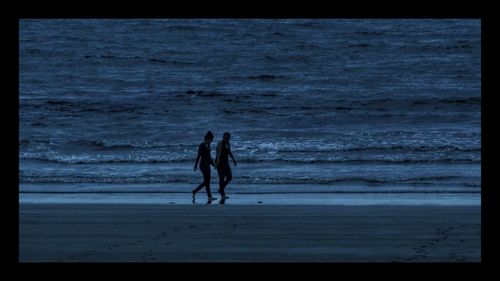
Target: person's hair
209 135
226 134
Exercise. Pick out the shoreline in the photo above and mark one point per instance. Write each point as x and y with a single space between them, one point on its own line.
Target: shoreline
332 199
355 194
248 233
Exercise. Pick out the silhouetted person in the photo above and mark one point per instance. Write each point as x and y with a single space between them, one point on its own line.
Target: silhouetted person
206 161
222 163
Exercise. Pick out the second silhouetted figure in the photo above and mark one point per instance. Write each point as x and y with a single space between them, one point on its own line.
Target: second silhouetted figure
222 163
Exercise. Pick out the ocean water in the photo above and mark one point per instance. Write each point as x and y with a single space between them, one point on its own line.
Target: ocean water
322 106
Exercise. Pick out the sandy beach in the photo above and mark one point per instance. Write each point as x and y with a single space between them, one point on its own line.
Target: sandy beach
248 233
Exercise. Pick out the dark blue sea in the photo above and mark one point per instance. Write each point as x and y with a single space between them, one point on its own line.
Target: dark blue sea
353 107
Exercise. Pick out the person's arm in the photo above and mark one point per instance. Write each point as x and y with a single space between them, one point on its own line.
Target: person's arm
197 157
219 151
231 154
211 160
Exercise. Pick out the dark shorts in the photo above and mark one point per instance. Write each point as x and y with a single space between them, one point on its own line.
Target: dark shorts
205 170
224 170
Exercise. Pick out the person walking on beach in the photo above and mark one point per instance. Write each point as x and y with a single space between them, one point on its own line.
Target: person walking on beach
206 161
222 163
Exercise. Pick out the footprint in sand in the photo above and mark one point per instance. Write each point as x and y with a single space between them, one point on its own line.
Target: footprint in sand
88 253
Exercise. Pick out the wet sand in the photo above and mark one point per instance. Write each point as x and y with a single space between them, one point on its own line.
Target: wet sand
248 233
